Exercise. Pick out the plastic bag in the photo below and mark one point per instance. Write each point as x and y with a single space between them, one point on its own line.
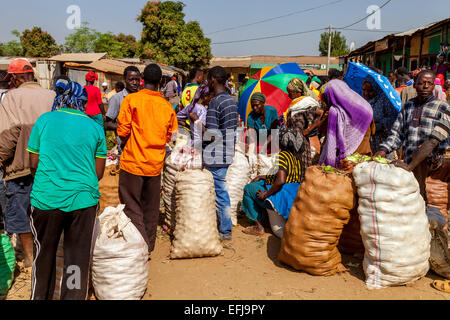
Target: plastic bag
7 264
119 264
196 233
238 176
320 211
394 225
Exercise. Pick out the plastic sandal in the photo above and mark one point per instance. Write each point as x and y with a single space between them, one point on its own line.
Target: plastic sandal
442 285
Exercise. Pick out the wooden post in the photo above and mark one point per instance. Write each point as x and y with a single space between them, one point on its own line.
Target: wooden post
329 49
404 52
419 63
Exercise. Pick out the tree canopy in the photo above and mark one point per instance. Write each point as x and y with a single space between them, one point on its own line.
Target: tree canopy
168 39
38 43
338 44
82 40
86 39
13 47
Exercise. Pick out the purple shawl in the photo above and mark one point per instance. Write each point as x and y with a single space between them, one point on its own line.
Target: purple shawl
348 120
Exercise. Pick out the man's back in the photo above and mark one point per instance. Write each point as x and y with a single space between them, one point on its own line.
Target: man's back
222 115
19 111
149 121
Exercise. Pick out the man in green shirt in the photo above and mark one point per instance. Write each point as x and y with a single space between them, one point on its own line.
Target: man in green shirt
67 154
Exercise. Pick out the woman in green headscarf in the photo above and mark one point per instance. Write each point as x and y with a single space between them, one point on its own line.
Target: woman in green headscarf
262 118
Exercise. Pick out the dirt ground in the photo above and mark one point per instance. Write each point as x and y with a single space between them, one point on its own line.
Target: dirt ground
249 270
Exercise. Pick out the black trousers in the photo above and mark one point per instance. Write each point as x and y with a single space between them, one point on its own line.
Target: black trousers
47 226
141 196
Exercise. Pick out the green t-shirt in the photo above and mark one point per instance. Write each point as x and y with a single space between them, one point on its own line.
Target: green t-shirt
67 141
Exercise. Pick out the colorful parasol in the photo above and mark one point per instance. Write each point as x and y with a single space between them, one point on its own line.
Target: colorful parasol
272 81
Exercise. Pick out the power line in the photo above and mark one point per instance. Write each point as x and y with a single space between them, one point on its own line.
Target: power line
350 25
308 31
270 37
367 30
275 18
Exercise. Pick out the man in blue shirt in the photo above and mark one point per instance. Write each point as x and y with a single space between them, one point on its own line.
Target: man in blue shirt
221 124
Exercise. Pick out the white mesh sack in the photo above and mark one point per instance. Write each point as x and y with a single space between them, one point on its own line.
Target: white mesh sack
238 176
196 233
179 159
119 263
168 186
394 225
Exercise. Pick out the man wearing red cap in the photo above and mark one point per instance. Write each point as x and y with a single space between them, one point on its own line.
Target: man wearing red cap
21 107
94 108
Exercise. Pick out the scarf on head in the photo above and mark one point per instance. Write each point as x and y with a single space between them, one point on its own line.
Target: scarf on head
297 85
69 95
349 118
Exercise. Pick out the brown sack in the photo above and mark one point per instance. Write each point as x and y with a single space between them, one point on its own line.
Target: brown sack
320 211
109 189
437 195
351 241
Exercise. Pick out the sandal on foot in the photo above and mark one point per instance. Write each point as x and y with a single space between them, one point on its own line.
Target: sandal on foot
252 231
442 285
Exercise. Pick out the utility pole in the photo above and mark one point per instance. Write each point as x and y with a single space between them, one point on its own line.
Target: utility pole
329 49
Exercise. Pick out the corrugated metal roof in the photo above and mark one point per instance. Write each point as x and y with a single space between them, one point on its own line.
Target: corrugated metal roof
78 57
245 62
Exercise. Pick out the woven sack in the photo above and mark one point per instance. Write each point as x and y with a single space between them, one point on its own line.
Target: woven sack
320 211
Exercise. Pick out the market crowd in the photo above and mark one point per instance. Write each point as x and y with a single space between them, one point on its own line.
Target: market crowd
53 147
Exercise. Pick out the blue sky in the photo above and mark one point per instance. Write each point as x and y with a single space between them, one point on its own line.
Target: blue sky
120 16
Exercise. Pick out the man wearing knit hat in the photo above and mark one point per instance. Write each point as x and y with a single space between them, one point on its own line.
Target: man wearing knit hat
21 107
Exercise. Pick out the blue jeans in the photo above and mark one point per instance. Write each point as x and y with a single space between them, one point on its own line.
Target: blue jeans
222 201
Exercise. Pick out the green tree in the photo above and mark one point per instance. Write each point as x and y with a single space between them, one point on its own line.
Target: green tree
38 43
129 44
118 46
106 42
166 37
338 44
13 47
82 40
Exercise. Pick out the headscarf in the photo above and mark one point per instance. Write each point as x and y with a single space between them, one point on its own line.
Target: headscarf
349 118
438 92
384 113
297 85
203 90
69 95
258 96
91 76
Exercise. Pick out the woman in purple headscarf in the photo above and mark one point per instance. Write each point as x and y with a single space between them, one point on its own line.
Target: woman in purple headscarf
196 111
348 127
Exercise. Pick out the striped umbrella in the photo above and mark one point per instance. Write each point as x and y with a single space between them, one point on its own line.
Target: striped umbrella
272 81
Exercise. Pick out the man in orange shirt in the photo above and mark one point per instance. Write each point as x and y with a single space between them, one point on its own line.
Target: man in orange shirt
145 124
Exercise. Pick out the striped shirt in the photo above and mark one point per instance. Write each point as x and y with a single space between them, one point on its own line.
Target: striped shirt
288 162
415 124
442 129
221 122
